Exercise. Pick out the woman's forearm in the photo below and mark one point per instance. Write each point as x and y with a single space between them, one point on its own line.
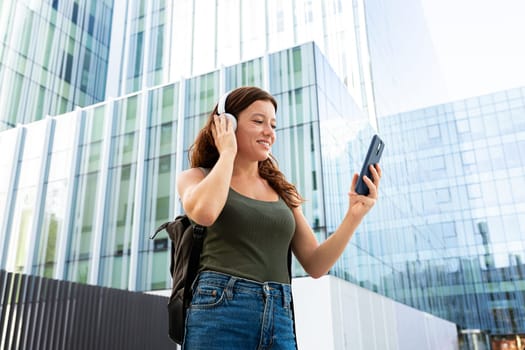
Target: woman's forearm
206 200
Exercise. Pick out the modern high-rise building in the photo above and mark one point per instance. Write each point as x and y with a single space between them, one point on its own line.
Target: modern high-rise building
406 72
53 56
58 54
81 191
458 172
84 190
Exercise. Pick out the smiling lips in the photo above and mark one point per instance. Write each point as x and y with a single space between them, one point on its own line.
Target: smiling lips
266 144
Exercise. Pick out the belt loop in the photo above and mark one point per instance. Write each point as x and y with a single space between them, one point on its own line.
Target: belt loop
229 287
287 295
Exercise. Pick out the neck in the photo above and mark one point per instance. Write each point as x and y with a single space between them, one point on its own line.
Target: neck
245 169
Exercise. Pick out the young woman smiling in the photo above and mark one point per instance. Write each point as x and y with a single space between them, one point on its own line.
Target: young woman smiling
241 297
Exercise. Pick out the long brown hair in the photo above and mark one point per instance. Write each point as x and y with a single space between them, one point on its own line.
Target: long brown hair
203 152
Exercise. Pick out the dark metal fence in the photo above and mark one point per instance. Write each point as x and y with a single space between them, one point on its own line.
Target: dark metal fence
41 313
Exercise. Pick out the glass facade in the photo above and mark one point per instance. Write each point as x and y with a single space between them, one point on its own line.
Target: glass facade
406 71
147 44
106 173
53 57
456 172
166 40
81 191
57 54
95 164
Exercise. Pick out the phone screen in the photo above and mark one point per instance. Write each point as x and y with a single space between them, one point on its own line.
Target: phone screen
373 155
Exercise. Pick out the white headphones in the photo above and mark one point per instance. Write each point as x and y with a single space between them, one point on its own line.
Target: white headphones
221 109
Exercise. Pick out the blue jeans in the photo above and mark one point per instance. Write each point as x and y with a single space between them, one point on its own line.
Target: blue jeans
229 312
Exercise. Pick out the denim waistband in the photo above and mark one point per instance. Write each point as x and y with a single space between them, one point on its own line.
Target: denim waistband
234 284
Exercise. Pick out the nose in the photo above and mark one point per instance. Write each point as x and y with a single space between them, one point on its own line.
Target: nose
268 129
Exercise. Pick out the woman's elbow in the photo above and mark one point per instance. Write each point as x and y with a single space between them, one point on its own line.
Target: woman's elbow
204 220
315 273
202 216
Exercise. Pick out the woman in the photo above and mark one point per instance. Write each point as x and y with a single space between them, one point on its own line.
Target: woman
241 298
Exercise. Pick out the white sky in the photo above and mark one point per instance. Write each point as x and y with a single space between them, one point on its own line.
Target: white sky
480 44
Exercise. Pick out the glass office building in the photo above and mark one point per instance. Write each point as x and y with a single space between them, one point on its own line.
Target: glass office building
406 72
457 174
58 54
165 40
53 56
81 191
85 188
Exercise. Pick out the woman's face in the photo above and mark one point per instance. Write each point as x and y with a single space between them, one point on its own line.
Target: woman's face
256 130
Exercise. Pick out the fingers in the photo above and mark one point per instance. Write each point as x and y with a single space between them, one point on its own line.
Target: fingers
373 186
223 135
218 121
222 122
376 174
378 170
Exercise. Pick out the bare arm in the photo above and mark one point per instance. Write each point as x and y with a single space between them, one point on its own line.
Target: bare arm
203 197
317 259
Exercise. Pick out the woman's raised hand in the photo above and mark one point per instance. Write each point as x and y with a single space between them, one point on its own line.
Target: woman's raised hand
360 205
224 135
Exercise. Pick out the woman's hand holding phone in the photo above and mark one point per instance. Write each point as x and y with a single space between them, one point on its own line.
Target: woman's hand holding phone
373 155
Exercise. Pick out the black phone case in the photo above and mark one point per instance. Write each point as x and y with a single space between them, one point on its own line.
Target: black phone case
372 157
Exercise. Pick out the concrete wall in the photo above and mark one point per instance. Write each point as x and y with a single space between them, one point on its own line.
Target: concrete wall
334 314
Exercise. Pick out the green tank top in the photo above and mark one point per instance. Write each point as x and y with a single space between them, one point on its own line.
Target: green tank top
250 239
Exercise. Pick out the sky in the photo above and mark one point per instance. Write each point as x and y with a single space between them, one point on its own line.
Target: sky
480 44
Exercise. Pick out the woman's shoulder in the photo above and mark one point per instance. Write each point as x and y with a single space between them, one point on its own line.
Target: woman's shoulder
189 177
198 172
205 171
193 174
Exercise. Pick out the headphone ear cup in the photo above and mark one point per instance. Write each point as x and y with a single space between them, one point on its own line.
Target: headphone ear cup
233 120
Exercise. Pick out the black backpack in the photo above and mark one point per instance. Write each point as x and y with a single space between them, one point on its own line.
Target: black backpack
186 246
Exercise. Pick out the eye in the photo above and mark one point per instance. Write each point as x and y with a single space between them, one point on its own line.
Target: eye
274 126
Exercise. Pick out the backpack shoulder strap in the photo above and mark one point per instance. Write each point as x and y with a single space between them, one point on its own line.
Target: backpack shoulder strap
199 232
185 220
160 228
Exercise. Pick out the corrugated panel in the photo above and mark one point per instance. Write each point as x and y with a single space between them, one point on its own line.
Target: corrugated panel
40 313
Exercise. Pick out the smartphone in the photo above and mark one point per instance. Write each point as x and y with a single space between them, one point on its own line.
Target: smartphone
372 157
